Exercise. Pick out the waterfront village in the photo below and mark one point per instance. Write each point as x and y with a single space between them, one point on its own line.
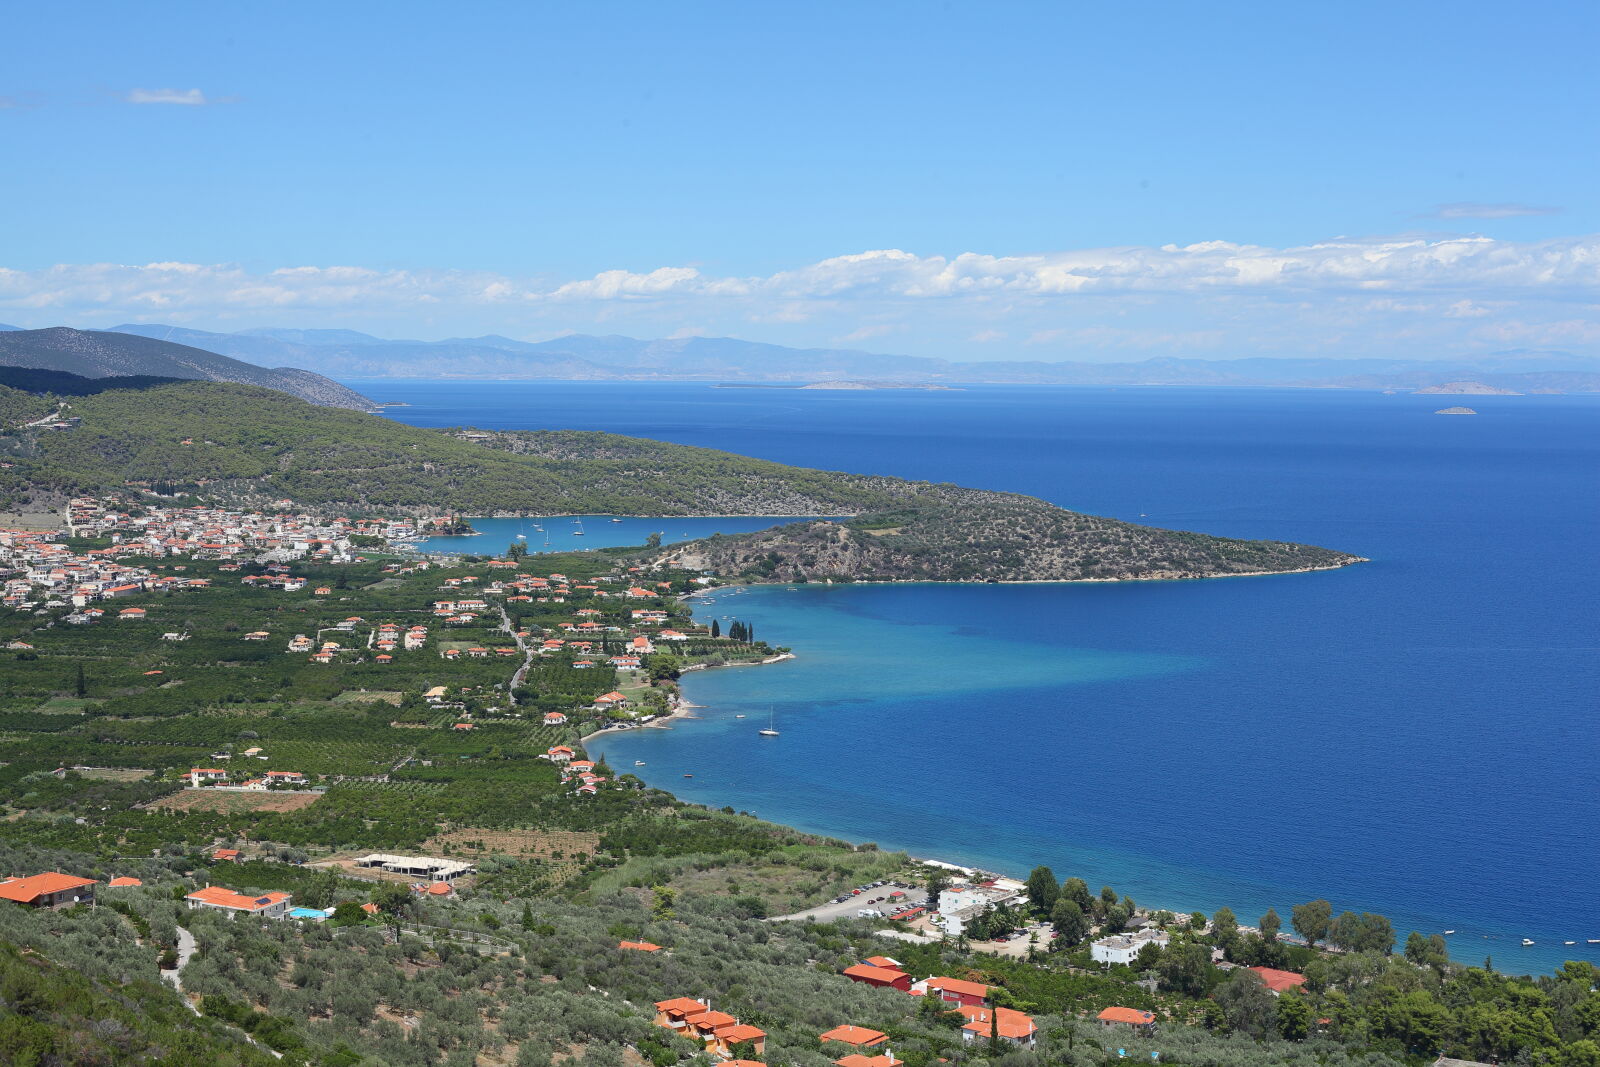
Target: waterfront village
299 725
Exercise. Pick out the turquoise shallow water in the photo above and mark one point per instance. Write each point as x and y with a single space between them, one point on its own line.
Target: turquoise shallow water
1415 736
555 533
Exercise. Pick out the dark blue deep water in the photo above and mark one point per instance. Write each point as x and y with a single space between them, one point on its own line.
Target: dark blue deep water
1416 736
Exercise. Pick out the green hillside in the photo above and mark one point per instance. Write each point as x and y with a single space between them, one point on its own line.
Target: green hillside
253 446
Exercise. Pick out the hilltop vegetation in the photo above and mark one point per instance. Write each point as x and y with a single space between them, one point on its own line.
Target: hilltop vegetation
993 537
254 446
100 354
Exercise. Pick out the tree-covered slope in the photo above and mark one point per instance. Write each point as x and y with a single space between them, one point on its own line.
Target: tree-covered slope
968 536
77 989
254 446
99 354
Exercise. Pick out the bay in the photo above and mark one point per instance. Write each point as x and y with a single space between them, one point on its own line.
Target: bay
1415 736
559 533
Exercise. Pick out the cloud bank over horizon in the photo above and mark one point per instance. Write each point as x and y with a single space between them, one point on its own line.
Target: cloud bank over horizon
1410 295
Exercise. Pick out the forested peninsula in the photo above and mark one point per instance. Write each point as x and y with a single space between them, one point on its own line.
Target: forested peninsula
253 447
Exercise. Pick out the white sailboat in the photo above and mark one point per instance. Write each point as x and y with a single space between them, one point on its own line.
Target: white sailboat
770 731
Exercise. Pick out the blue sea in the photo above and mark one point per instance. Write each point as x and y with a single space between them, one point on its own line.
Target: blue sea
1415 736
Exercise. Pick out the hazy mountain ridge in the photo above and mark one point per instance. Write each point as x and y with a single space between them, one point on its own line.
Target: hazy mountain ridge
97 354
349 354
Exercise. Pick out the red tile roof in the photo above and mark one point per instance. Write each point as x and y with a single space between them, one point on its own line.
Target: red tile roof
868 973
25 890
1131 1016
218 896
1013 1024
680 1006
959 986
733 1033
850 1034
1277 980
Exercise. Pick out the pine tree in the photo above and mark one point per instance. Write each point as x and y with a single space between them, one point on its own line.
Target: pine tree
716 628
82 688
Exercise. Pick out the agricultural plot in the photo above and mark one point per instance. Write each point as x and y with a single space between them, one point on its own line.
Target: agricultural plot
398 774
231 802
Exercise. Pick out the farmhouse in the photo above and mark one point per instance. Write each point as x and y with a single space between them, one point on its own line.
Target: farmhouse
1143 1021
217 898
1010 1026
953 991
50 890
881 977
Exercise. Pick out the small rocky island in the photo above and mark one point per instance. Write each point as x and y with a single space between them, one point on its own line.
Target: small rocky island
1455 411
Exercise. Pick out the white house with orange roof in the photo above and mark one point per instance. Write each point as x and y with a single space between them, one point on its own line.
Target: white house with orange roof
1013 1027
217 898
49 890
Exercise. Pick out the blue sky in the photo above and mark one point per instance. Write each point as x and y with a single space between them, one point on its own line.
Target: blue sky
430 170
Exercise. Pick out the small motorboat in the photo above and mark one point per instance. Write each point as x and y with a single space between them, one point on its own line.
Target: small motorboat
616 520
1594 941
688 776
1569 942
638 763
1527 941
1447 933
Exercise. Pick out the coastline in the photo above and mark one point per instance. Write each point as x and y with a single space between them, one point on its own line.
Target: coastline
733 584
683 709
928 853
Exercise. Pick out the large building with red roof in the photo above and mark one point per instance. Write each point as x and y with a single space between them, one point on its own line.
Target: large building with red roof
50 890
881 977
218 898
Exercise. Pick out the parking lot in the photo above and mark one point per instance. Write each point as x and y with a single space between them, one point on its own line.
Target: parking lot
878 898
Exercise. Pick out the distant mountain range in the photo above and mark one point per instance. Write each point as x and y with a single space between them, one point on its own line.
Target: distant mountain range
96 354
350 354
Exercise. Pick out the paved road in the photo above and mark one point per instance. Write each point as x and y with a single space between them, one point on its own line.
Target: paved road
523 645
830 911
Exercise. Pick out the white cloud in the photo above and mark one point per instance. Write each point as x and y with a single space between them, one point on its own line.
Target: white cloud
1344 293
1469 210
184 97
867 333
